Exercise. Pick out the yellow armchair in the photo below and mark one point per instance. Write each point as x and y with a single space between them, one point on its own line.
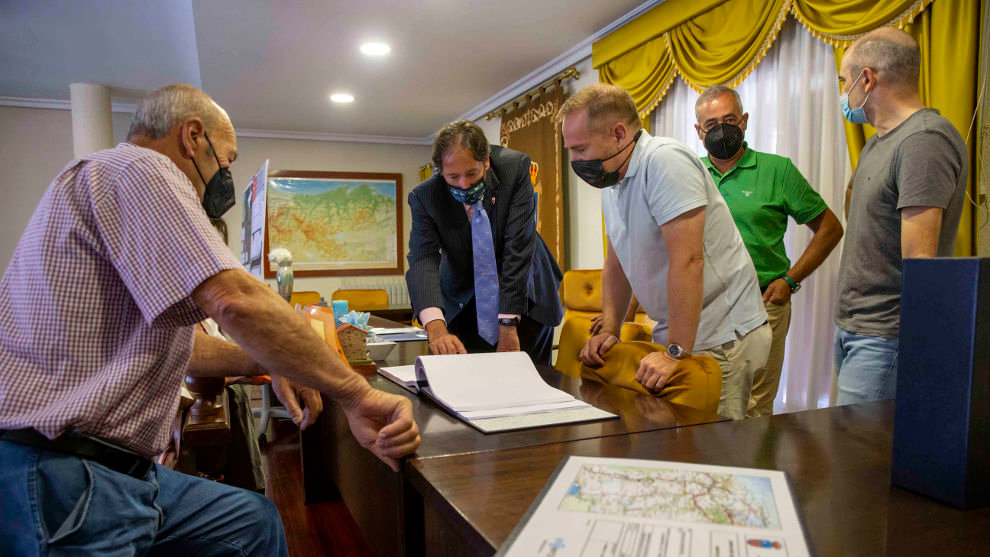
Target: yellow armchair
576 332
696 382
581 295
362 300
304 298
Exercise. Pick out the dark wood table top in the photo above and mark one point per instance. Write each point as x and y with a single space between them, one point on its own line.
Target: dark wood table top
838 461
443 434
387 510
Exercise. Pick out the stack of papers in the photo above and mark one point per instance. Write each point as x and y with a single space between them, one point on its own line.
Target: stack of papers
480 388
400 334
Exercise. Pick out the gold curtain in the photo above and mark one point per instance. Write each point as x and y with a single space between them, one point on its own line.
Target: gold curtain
724 43
948 33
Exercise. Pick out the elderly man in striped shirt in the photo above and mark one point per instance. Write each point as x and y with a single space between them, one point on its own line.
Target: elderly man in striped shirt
97 308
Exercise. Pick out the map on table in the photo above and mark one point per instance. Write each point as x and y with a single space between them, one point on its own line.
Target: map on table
673 494
334 224
594 506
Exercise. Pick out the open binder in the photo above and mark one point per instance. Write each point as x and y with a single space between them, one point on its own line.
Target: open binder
492 392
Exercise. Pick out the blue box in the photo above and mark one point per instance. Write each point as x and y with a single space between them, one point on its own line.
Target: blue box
941 442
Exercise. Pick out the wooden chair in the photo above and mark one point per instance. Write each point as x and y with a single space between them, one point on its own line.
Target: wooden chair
362 299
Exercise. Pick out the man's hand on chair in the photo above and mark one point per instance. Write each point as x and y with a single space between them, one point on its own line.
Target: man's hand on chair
596 347
596 324
655 370
291 395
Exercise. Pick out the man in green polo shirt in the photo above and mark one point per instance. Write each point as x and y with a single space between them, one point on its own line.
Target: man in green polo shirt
762 190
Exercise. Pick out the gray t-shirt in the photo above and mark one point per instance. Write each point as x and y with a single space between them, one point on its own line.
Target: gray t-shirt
922 162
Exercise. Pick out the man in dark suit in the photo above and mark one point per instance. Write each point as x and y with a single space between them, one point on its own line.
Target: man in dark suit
480 277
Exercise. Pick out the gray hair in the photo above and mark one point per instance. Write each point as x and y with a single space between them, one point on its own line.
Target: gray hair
713 92
171 105
894 55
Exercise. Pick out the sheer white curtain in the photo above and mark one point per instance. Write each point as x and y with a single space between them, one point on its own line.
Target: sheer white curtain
793 102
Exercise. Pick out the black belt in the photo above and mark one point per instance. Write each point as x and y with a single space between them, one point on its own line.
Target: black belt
118 460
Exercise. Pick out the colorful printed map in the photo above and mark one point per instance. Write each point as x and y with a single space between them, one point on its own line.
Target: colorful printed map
671 494
333 223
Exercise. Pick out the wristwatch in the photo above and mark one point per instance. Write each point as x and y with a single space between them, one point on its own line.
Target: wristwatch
795 285
508 321
676 352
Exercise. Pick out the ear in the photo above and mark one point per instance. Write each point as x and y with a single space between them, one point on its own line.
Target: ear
744 121
620 132
189 133
869 79
701 134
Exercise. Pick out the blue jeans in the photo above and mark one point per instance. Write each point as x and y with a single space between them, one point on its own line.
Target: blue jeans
53 504
866 366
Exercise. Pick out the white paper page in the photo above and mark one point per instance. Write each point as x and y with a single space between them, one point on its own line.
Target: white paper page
394 331
521 410
467 382
400 374
609 506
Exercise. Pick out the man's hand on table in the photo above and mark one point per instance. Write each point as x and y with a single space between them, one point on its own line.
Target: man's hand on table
290 395
441 341
383 423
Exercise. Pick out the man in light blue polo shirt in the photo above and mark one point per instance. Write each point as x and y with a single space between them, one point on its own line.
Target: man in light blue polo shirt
671 242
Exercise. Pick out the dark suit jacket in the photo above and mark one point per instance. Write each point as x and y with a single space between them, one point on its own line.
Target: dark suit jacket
441 265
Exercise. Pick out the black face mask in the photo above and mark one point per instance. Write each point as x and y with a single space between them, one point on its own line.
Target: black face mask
723 141
593 172
219 196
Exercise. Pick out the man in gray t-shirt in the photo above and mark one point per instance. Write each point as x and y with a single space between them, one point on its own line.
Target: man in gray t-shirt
907 197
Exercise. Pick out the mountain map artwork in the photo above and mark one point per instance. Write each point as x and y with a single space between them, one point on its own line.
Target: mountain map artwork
334 224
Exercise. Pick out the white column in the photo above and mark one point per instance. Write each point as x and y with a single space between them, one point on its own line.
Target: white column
92 123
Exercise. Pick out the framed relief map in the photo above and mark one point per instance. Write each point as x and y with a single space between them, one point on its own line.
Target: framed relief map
335 223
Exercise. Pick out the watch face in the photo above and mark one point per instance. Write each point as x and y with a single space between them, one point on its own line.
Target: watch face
796 288
675 351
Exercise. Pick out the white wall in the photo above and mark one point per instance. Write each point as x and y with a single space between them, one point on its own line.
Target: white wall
35 144
286 154
583 210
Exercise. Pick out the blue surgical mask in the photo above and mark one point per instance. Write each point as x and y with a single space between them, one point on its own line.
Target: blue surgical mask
469 196
854 115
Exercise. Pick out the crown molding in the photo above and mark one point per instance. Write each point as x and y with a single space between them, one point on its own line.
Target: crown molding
60 104
340 137
569 58
130 108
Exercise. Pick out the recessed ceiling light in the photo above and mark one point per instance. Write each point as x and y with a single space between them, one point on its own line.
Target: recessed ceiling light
342 98
375 49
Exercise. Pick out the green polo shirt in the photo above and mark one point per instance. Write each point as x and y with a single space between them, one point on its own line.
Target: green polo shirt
762 190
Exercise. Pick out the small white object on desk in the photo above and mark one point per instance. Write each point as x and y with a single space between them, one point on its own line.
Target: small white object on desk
380 350
396 330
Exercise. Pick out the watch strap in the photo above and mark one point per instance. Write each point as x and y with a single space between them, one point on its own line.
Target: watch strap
795 285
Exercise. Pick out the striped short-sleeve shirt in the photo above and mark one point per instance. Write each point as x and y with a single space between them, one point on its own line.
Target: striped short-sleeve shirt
96 312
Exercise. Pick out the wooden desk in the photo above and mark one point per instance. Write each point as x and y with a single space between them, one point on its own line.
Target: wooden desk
838 460
335 466
400 313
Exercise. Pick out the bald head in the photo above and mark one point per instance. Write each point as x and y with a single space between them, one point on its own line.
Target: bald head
170 106
889 52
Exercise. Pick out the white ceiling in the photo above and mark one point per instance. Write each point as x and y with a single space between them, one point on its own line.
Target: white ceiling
272 64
